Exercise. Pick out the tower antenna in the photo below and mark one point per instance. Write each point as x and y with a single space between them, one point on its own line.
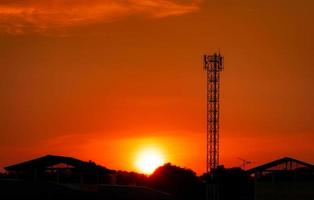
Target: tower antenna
213 65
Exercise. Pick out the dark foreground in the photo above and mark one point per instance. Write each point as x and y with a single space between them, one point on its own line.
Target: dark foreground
14 189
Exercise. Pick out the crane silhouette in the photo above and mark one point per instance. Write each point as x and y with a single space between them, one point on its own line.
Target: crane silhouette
244 162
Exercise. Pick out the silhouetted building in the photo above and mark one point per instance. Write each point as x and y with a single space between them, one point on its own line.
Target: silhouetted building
60 169
285 178
58 177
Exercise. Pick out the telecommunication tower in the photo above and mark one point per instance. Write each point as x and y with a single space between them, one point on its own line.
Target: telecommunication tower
213 65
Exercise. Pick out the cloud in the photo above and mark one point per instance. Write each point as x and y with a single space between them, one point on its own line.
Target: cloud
18 16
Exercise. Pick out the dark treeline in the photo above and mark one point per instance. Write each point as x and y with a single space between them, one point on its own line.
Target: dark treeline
180 183
184 184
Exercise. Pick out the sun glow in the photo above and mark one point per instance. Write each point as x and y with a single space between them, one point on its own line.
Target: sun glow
148 160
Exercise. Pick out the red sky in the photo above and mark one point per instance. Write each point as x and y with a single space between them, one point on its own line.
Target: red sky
100 80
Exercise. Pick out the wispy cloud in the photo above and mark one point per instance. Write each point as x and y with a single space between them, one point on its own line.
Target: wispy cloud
18 16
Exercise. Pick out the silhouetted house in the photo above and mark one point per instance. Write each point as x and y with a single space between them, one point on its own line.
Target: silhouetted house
60 169
285 178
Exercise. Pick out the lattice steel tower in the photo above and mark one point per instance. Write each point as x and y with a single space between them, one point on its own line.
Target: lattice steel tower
213 65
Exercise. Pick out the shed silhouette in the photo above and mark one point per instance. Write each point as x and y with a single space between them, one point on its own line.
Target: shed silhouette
60 169
286 178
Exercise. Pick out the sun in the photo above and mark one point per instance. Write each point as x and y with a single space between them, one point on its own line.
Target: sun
148 160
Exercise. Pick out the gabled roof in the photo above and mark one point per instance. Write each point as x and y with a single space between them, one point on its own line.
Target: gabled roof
50 160
275 163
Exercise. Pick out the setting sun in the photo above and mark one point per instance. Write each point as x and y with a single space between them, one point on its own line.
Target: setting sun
148 160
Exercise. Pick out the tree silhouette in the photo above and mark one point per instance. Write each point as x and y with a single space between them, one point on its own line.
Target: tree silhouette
180 182
233 183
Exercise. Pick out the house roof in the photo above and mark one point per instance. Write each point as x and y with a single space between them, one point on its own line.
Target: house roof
275 163
50 160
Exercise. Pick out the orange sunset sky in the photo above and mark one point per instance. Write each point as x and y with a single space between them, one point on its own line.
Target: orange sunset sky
101 79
